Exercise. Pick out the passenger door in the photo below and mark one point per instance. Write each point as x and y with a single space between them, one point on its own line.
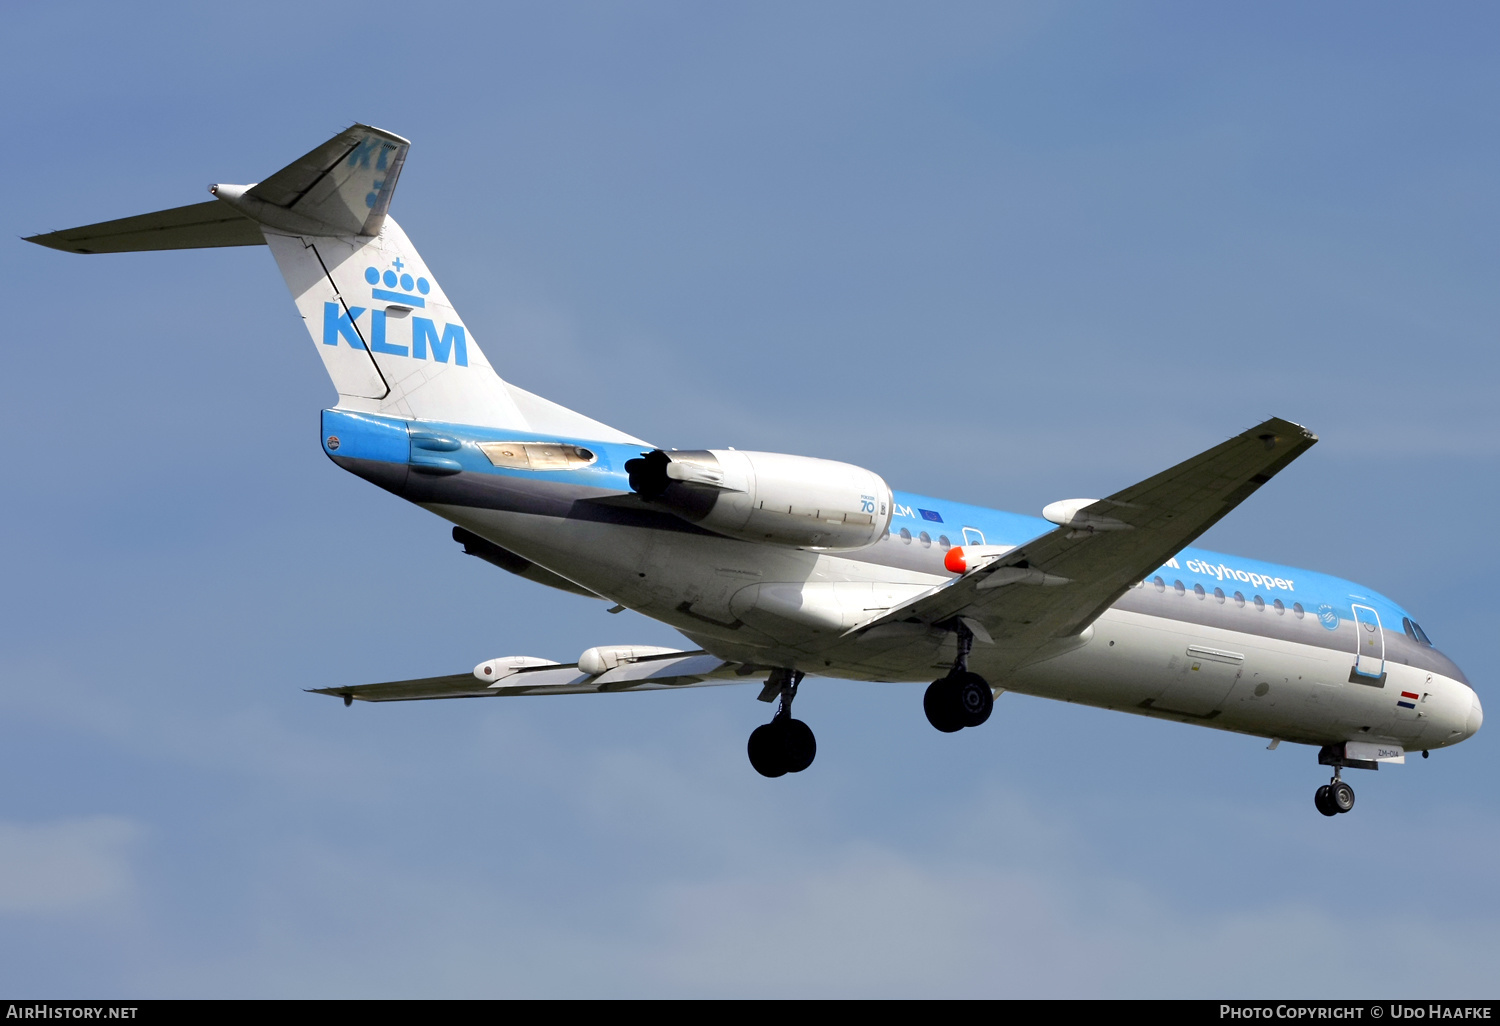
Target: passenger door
1369 652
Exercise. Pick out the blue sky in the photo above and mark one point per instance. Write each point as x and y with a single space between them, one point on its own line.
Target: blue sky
1000 253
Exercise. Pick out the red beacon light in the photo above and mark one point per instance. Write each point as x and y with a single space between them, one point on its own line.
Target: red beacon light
955 561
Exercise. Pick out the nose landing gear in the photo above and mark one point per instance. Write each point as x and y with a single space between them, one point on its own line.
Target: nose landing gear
961 699
1334 797
784 745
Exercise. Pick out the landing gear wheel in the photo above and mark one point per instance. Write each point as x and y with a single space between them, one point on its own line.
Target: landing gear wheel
941 703
957 701
767 752
961 699
1320 799
798 745
1340 796
782 746
975 699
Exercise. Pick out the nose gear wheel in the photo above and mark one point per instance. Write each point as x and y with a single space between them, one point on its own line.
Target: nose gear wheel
1334 797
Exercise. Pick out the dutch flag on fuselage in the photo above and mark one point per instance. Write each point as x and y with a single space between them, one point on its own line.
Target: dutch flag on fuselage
1407 700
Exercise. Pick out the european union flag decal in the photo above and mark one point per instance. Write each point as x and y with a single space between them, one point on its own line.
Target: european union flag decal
928 514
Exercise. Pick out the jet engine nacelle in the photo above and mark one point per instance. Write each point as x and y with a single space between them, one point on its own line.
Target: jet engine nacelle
603 658
767 496
492 670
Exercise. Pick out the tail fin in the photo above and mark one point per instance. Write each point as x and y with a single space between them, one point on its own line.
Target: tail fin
389 338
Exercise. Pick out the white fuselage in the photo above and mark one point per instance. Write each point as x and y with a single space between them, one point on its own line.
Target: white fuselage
779 606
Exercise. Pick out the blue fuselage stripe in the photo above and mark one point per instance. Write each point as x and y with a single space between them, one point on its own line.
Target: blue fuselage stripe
1327 598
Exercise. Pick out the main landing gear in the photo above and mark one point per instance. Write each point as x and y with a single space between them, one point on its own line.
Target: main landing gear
784 745
961 699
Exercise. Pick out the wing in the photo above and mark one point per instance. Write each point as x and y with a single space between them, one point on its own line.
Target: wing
1056 585
653 673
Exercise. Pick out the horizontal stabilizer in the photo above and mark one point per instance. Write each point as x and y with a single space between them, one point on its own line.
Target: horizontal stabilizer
199 226
341 188
653 673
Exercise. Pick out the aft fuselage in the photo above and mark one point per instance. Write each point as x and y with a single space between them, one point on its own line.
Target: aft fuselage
1222 641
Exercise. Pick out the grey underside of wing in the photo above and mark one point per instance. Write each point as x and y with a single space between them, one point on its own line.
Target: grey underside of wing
680 670
1165 513
199 226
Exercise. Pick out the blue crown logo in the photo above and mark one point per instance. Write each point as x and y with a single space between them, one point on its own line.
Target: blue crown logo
398 278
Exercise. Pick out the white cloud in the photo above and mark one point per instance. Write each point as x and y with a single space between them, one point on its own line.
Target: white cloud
65 865
871 922
686 888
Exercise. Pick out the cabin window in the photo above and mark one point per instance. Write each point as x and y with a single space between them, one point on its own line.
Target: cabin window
1178 587
1280 607
1298 611
944 542
1239 600
1198 590
1219 596
906 535
537 455
1260 604
1161 585
926 540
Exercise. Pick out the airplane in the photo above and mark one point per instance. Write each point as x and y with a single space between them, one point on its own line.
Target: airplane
778 566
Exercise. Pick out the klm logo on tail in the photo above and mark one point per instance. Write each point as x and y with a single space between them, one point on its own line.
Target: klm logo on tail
359 157
450 342
390 279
